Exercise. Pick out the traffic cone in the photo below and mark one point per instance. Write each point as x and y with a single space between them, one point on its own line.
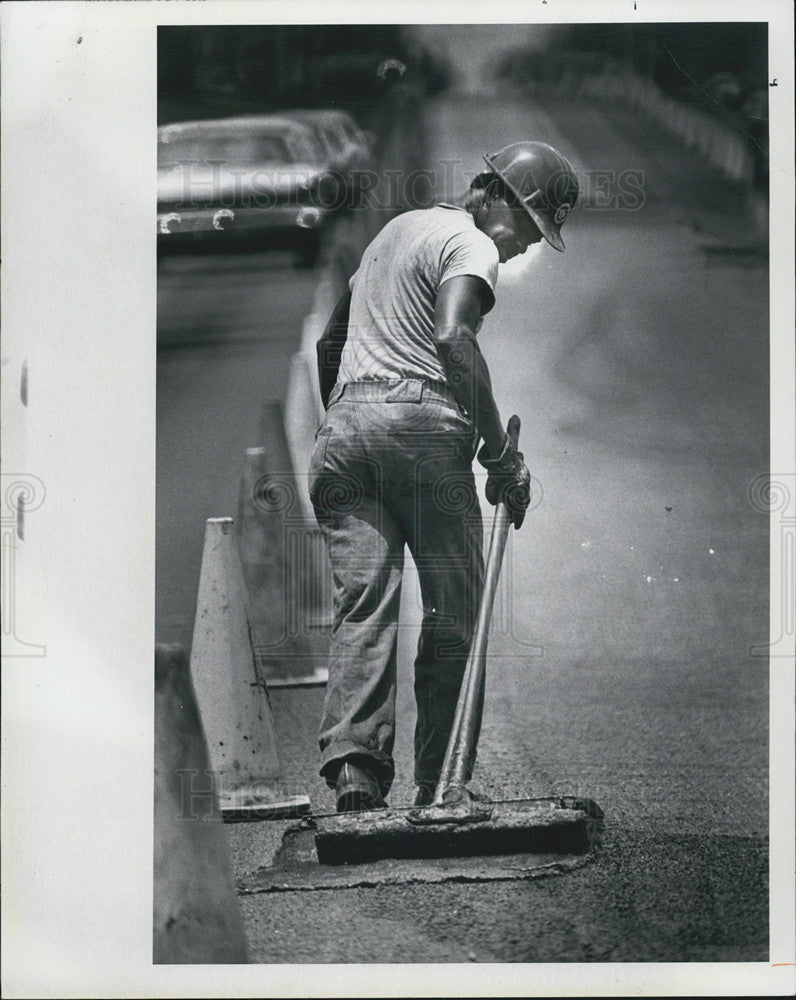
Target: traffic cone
196 916
280 555
231 693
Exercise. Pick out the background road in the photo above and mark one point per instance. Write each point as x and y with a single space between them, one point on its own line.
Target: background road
620 663
227 325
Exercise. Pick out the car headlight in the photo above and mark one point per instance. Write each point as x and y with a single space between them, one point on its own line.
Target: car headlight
172 219
308 217
221 216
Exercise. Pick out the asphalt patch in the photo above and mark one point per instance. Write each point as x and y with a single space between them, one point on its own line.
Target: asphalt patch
296 869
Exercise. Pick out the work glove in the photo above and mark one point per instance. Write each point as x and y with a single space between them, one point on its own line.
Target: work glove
509 479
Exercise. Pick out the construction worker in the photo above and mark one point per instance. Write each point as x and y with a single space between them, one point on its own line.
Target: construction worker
408 397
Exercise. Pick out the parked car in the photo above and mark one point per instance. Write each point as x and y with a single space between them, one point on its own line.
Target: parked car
348 148
259 176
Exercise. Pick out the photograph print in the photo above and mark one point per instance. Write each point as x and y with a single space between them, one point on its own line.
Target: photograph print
463 493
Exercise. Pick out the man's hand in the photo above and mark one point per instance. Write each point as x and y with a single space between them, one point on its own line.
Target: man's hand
509 479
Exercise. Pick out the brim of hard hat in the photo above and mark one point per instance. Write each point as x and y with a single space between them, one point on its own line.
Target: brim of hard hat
548 228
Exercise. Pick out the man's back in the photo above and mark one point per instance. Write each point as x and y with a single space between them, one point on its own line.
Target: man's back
394 292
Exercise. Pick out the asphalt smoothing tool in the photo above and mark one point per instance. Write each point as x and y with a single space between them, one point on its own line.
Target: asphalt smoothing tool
459 823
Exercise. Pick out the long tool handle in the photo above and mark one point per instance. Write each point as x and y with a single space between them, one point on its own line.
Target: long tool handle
464 732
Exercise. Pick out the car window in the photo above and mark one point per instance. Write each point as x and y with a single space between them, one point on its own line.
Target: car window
304 148
330 140
322 139
234 150
350 132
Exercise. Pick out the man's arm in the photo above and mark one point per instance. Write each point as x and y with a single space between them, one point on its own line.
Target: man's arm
330 346
458 310
459 307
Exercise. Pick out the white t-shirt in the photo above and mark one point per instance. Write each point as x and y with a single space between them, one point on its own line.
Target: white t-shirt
394 292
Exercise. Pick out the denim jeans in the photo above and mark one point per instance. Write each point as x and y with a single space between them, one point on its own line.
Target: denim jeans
392 465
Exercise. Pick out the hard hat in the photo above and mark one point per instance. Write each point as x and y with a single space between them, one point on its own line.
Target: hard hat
541 179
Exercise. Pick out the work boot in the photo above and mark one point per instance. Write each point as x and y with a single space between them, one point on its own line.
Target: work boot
425 795
357 789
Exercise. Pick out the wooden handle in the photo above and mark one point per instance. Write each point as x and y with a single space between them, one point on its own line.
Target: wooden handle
463 738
